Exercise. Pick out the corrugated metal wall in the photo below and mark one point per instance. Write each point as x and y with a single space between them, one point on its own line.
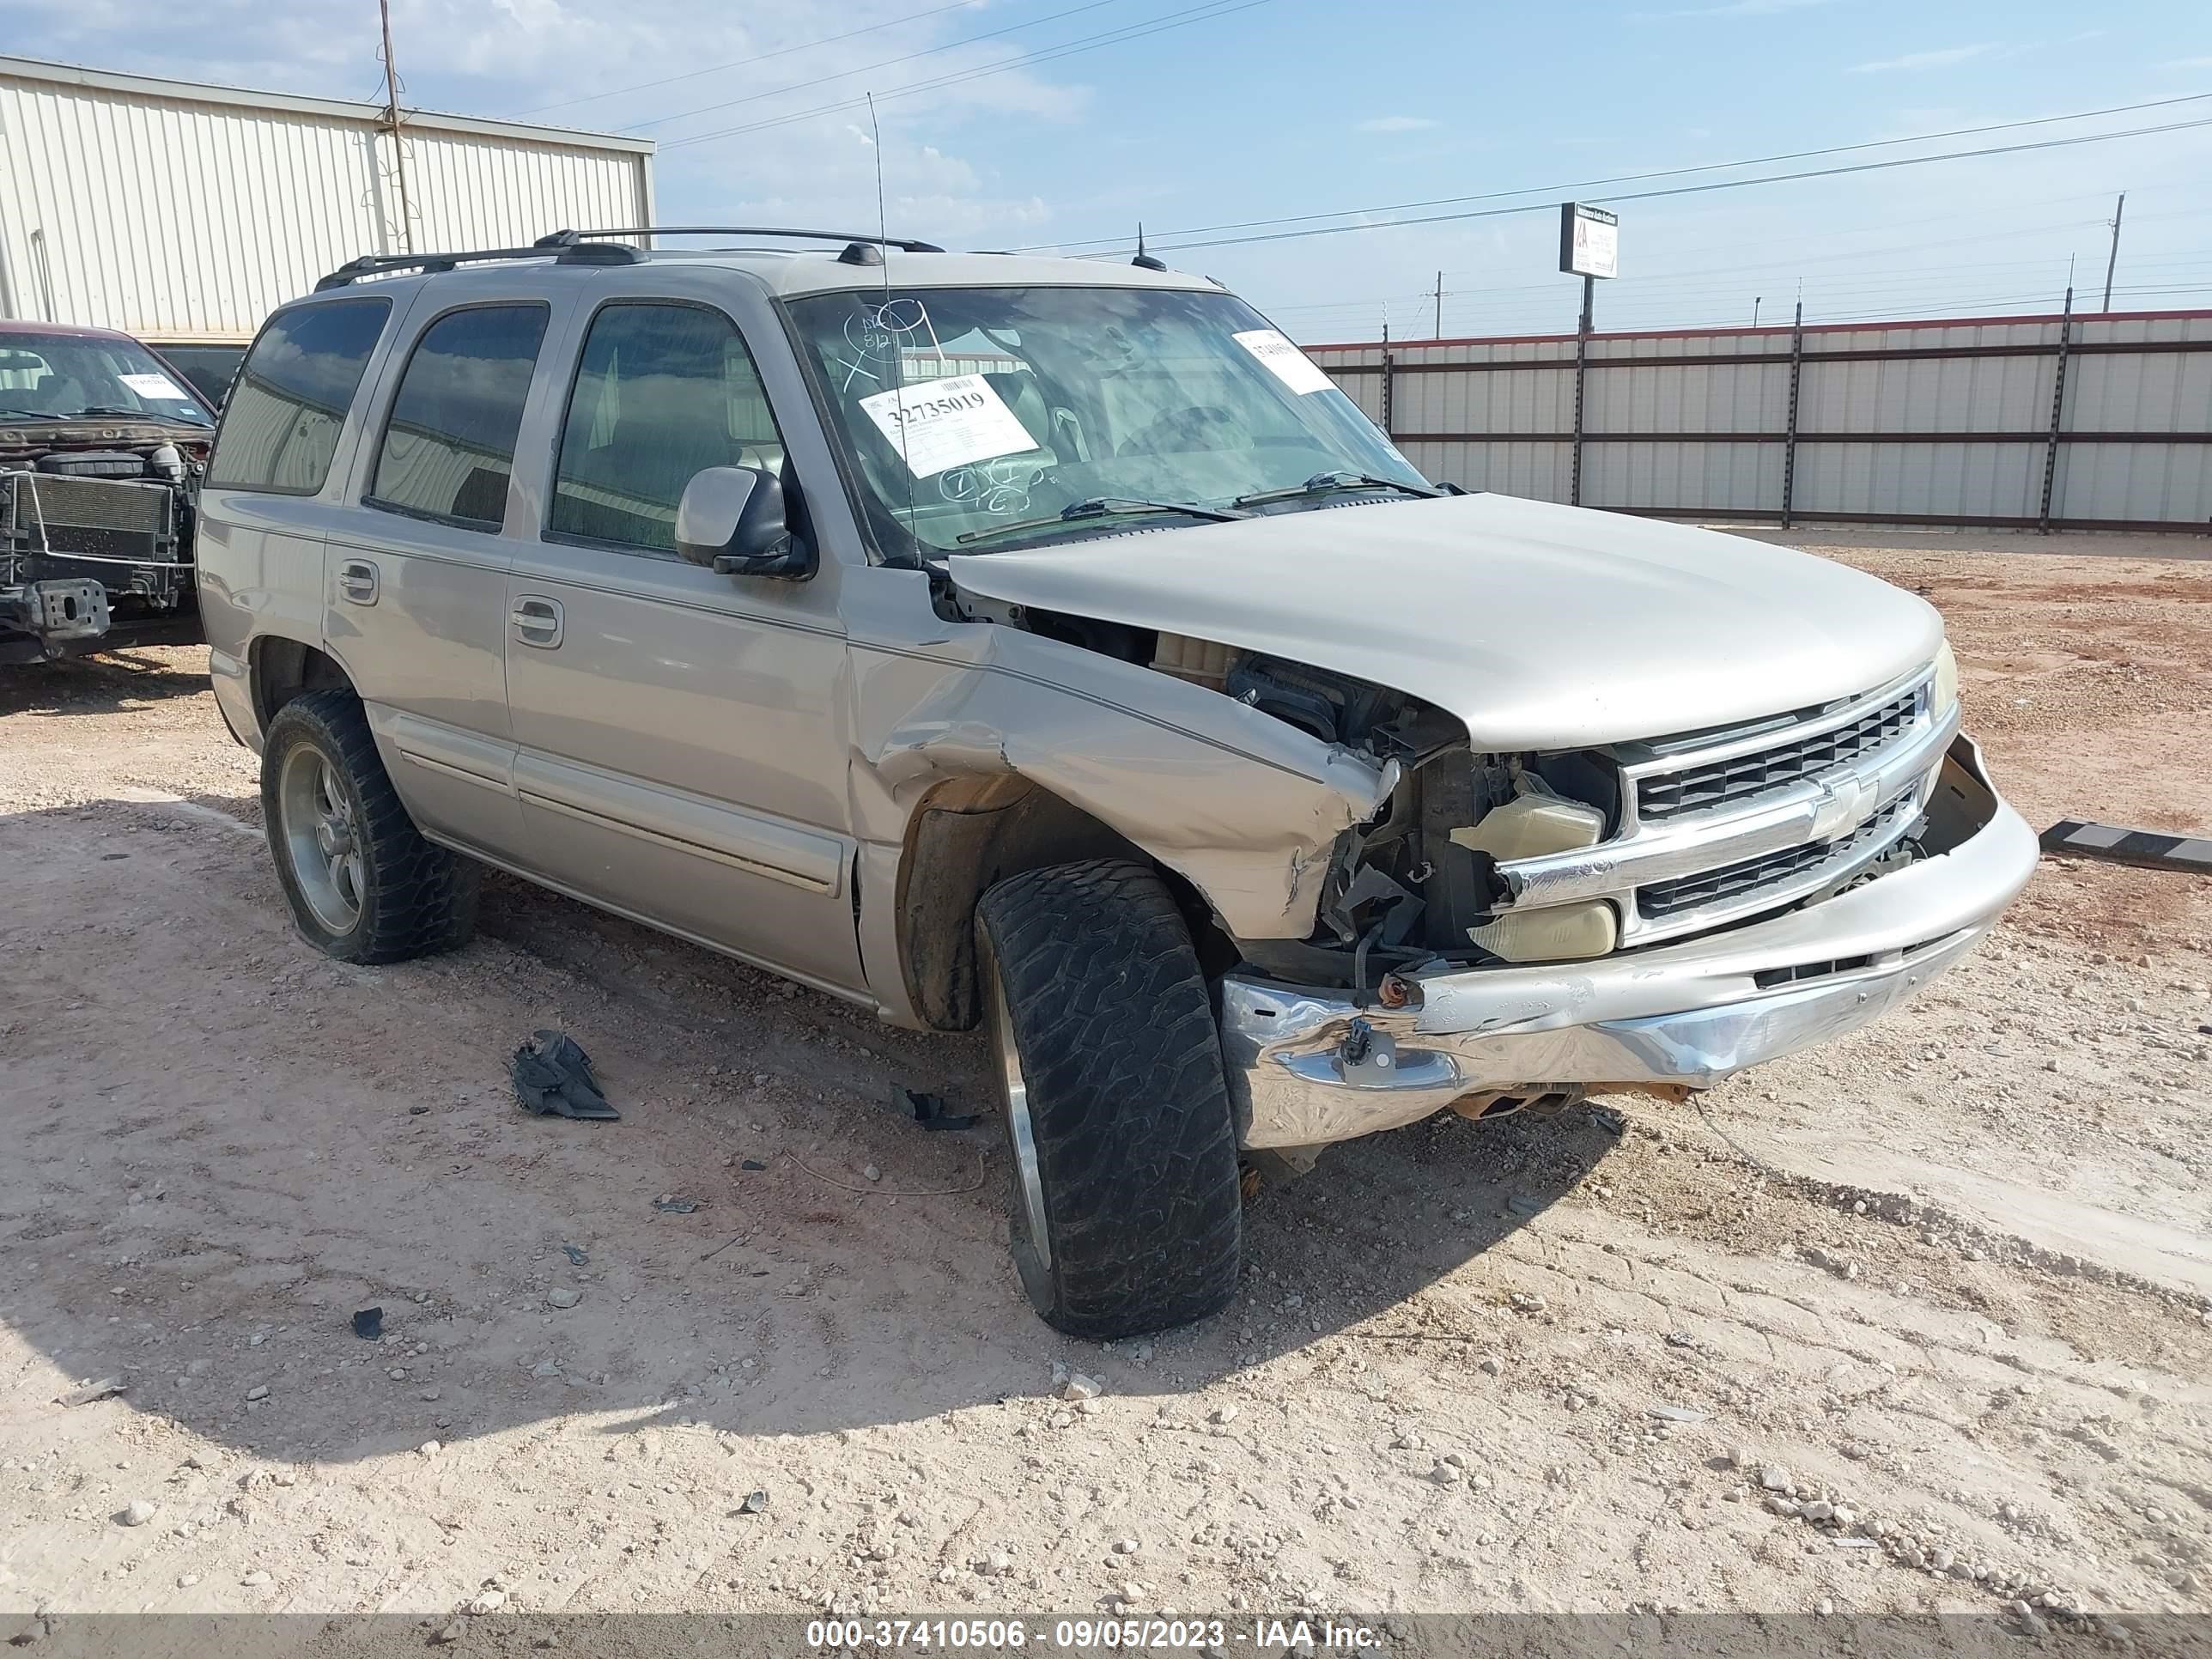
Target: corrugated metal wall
1945 423
191 212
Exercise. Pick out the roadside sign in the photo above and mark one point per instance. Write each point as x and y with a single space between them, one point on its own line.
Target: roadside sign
1590 240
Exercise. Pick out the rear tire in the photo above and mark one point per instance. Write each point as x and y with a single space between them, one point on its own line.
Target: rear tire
1126 1213
363 884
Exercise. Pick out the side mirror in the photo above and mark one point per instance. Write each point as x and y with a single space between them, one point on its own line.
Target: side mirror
732 520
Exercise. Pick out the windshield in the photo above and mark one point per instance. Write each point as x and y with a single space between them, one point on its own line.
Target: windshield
210 369
60 376
967 410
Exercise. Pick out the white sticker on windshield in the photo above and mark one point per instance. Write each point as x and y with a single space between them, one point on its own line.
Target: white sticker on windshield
156 385
1290 364
940 424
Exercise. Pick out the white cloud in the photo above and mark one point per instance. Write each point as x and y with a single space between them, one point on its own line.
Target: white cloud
1914 62
1396 124
1751 8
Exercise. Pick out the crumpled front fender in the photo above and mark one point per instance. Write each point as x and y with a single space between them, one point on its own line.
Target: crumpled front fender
1243 805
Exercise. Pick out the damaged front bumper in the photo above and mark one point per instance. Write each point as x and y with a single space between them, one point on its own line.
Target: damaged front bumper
1307 1067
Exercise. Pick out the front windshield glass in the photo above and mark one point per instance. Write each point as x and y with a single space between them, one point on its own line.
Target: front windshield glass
970 411
60 376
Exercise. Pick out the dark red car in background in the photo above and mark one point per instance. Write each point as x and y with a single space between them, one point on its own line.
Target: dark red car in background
100 443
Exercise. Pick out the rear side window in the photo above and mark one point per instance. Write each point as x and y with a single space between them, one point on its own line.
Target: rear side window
663 392
449 444
280 428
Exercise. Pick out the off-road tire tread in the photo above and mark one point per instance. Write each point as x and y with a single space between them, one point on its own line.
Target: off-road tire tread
1136 1141
421 898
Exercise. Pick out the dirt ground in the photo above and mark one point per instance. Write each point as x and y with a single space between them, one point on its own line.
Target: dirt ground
1950 1278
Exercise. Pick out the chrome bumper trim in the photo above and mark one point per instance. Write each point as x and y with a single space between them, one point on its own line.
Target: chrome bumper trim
1691 1013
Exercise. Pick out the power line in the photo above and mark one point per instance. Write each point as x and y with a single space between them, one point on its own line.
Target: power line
747 63
1204 13
1635 178
870 69
1839 288
1699 190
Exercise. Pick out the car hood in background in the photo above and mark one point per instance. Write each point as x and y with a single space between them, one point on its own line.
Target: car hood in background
1540 626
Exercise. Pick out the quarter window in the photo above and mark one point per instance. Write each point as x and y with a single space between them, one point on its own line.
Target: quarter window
281 426
449 444
663 392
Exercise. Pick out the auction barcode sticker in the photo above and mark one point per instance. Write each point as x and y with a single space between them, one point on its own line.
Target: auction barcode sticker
1289 365
940 424
156 385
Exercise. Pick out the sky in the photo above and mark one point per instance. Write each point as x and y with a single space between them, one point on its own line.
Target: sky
1064 123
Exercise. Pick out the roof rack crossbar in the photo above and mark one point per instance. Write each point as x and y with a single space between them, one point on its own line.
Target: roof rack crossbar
903 244
573 251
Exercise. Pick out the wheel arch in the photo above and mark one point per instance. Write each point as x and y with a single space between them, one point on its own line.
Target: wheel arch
967 835
280 668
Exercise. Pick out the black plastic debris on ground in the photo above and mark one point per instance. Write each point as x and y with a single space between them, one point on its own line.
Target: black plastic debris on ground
668 1204
553 1079
577 1255
2151 847
368 1324
751 1164
928 1110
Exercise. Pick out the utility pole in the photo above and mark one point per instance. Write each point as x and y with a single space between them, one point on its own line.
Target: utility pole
391 126
1582 374
2113 263
1439 334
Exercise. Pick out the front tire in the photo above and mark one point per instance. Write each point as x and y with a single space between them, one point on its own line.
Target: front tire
1126 1213
363 884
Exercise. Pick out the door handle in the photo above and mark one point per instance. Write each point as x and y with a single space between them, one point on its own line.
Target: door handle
357 582
536 621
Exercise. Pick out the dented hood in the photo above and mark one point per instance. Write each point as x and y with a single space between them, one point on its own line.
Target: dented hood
1540 626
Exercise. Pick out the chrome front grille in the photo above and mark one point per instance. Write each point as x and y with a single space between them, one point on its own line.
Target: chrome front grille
1753 819
1669 898
1740 777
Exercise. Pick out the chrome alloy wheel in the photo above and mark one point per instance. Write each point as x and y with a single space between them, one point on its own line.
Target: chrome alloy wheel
320 837
1021 1136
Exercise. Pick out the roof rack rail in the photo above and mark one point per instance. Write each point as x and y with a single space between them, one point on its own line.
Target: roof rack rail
903 244
566 246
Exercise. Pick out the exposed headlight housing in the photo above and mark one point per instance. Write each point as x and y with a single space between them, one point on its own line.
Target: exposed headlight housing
1944 691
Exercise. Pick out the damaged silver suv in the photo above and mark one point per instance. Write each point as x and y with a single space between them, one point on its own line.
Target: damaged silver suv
1023 642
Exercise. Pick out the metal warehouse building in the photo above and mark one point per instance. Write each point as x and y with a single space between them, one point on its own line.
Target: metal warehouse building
181 212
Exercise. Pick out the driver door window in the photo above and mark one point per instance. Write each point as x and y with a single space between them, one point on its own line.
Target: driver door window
663 392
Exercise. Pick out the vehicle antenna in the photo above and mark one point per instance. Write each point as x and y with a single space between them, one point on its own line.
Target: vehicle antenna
882 315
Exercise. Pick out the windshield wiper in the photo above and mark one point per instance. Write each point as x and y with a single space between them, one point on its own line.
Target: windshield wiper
1323 484
31 415
1101 506
118 412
